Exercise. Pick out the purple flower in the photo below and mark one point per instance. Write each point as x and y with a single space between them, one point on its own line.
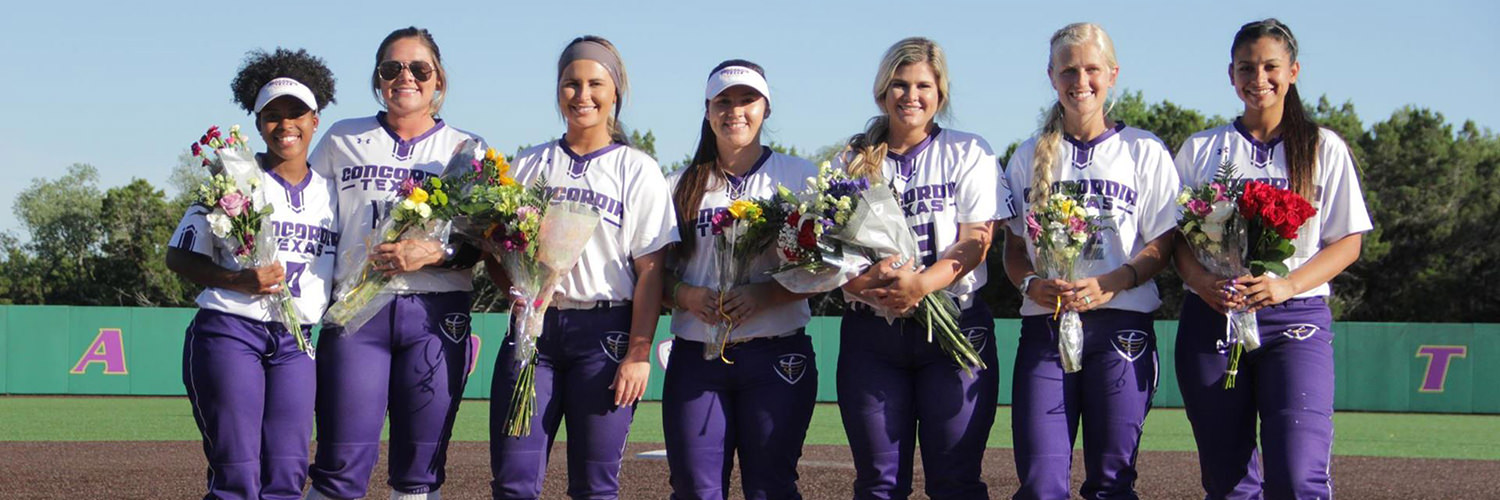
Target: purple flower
478 167
721 220
234 203
840 188
406 187
1218 191
1033 228
1199 207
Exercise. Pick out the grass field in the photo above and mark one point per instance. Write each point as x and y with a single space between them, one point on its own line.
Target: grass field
171 419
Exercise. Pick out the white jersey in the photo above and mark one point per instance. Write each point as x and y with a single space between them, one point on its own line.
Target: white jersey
1337 196
949 178
1128 173
635 209
307 238
760 181
367 162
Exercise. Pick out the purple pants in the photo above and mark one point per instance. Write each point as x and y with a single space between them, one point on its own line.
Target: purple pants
760 407
252 393
409 362
577 357
896 389
1287 383
1112 394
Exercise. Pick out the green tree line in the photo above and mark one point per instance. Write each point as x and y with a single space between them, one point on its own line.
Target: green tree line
1433 190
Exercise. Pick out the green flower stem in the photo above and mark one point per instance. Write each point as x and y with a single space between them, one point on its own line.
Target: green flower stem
522 402
286 308
1234 365
937 313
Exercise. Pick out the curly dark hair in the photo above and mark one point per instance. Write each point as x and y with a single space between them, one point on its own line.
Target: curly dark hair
260 68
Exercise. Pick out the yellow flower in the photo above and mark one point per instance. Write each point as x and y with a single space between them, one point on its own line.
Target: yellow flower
741 209
506 180
489 154
418 195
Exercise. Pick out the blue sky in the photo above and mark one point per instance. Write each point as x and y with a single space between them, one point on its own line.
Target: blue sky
126 88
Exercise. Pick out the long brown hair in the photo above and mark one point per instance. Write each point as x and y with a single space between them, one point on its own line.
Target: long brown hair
1299 133
702 173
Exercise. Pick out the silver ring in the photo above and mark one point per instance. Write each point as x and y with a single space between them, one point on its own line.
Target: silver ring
1088 299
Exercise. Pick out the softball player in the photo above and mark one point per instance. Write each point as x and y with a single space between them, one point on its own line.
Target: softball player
1127 175
250 386
411 359
896 388
1288 381
594 352
760 405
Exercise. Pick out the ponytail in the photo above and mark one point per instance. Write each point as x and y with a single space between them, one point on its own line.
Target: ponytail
869 149
1044 157
1299 136
696 179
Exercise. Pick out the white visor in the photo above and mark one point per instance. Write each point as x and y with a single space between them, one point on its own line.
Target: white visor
285 86
736 75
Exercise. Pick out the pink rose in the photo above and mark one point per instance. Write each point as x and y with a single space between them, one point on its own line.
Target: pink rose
1033 228
1077 225
1218 191
234 203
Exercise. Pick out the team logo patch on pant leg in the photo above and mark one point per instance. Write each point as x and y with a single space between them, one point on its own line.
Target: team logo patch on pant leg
790 367
1300 331
615 344
978 336
1131 343
455 326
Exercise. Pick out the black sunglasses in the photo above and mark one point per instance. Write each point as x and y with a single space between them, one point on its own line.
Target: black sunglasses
391 70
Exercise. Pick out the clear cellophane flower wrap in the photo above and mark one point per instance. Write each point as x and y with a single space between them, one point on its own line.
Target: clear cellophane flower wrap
236 162
1059 265
421 212
876 229
1060 227
564 230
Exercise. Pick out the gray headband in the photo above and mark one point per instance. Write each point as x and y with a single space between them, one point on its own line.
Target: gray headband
593 51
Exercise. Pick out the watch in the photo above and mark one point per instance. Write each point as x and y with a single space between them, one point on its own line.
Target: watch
1026 282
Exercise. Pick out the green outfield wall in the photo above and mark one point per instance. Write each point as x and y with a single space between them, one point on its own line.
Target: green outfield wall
1394 367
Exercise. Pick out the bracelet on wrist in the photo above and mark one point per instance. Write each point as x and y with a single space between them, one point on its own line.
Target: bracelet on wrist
1135 277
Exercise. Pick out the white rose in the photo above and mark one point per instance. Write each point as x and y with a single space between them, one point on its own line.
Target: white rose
424 211
1221 213
1059 239
218 222
407 204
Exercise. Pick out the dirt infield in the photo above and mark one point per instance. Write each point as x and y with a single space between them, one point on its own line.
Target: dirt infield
174 469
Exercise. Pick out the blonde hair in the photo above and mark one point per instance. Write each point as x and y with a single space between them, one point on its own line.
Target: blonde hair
869 148
1049 139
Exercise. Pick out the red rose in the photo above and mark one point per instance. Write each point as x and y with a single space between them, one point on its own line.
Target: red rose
791 218
805 236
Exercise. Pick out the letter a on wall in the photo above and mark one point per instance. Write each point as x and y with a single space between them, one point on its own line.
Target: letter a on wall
107 348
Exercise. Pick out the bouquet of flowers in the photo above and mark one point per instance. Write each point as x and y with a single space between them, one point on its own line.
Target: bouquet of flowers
1059 228
741 233
1211 223
422 214
1272 217
537 242
238 214
838 227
